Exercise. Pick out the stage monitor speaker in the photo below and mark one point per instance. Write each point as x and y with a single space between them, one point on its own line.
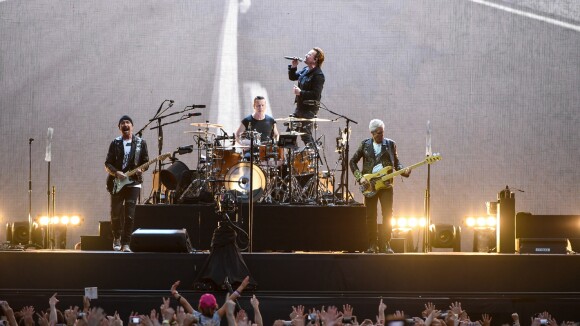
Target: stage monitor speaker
160 240
543 245
17 233
445 236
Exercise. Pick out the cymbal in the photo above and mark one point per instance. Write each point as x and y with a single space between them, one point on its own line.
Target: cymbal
206 124
292 133
199 132
291 119
240 146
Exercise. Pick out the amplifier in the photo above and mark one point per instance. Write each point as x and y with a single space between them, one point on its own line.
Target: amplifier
543 245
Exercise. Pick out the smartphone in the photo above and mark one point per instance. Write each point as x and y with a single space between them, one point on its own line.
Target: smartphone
136 320
92 293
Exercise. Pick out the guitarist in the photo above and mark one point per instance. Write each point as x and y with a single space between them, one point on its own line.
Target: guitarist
125 153
377 152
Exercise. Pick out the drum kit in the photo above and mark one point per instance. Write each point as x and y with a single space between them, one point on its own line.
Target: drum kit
281 171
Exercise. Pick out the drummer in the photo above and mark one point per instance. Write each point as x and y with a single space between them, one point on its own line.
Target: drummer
260 122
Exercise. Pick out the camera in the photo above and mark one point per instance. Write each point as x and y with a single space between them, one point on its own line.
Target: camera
81 315
312 318
136 320
543 321
287 323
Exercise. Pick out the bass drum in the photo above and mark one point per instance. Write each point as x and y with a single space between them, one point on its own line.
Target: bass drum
237 180
171 177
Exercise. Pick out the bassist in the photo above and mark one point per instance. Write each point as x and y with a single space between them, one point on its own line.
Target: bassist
125 153
377 152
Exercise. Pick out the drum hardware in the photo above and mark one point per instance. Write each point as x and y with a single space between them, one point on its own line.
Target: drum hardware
276 187
199 132
293 119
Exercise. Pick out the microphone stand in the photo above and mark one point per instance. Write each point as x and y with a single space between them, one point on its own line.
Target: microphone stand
30 243
428 153
344 175
251 196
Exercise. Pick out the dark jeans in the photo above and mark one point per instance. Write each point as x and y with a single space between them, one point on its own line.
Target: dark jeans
305 127
385 197
123 208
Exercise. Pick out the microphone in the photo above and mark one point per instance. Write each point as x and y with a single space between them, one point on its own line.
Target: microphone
294 58
195 114
311 102
196 106
170 104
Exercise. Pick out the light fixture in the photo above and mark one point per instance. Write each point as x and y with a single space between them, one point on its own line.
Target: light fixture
484 229
62 220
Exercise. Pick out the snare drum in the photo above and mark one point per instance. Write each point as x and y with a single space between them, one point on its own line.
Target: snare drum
224 159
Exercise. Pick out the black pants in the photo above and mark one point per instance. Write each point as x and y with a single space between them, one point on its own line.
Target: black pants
123 213
385 197
305 127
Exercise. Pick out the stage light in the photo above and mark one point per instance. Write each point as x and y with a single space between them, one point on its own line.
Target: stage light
407 223
481 222
62 220
483 232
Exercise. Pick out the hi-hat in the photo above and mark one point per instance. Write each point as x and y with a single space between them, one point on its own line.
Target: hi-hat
206 124
291 119
199 132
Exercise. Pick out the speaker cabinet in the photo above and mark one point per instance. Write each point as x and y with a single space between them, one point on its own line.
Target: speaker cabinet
160 240
543 245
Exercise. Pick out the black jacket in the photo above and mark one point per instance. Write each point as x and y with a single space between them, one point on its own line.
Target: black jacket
388 157
310 83
114 161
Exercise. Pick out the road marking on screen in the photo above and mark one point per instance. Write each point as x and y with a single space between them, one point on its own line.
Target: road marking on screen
529 15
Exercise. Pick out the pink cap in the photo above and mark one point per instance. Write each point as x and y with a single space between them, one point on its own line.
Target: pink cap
207 301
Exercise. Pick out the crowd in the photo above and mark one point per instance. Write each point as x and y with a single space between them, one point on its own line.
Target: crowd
209 313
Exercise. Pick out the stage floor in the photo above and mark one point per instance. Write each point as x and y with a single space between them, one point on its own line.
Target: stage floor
498 284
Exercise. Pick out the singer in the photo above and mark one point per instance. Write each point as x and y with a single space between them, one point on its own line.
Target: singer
126 153
260 121
310 83
377 152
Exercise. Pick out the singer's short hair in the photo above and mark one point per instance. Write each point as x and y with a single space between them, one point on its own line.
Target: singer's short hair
319 55
375 124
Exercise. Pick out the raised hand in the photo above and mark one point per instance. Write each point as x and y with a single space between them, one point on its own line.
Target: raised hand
485 320
330 316
455 307
429 306
27 315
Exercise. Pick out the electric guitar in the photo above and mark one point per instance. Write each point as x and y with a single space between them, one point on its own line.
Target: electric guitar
378 180
114 185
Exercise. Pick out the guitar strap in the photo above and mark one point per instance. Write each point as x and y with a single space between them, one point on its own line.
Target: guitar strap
389 150
137 150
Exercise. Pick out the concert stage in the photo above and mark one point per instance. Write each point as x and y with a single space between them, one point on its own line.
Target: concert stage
498 284
302 255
